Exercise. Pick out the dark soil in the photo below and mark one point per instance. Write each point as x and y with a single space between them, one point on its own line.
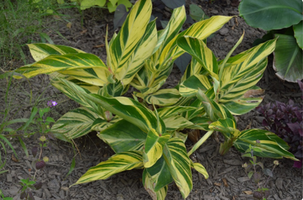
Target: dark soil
227 180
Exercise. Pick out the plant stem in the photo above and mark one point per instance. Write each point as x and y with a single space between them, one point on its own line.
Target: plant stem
200 142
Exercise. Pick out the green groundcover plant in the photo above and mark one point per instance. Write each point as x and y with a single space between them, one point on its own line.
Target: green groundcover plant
145 131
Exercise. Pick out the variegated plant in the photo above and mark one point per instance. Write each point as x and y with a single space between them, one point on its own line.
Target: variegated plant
146 132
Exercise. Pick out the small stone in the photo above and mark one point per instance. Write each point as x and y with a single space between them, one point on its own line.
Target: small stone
243 179
279 183
223 31
214 12
9 178
120 197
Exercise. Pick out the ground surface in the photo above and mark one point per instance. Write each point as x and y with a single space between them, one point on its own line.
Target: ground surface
227 177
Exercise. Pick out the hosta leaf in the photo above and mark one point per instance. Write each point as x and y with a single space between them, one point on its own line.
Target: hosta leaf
129 110
191 85
149 185
122 47
258 13
117 163
201 53
164 97
75 61
247 102
176 123
74 124
178 163
238 78
270 144
201 169
288 62
42 50
123 136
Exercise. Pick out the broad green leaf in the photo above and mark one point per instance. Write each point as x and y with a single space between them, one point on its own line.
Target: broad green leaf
117 163
174 3
68 62
123 136
153 148
201 53
164 97
288 62
159 174
258 13
149 185
250 100
178 163
298 31
176 122
40 51
130 110
85 4
238 78
76 123
123 46
201 169
196 13
270 144
191 85
143 51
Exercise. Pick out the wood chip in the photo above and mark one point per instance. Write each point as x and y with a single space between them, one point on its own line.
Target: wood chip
248 192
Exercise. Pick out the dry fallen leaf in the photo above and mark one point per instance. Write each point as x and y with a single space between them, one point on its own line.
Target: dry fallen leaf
69 25
248 192
217 184
14 158
84 31
225 182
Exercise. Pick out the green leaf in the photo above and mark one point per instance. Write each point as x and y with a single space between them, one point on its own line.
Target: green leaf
76 123
178 163
191 85
149 185
270 144
159 174
176 122
85 4
298 31
120 16
117 163
169 111
288 62
225 126
164 97
123 136
196 13
257 13
173 3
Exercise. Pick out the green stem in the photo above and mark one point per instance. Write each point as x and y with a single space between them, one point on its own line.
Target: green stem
200 142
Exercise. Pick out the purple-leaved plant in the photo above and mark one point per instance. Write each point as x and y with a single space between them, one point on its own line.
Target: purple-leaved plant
285 120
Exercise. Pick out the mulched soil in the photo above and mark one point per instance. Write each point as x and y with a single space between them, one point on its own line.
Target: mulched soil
227 180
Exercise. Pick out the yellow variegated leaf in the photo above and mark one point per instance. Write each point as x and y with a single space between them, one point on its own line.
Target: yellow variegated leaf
193 69
143 51
201 169
164 97
179 165
166 112
152 149
42 50
176 123
148 183
117 163
123 46
191 85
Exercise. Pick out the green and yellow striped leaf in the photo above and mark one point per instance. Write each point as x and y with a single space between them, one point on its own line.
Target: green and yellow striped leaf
227 127
200 123
40 51
74 124
238 78
169 111
199 30
164 97
123 136
201 169
85 67
250 100
191 85
123 46
153 147
193 68
179 165
270 145
117 163
143 52
149 185
201 53
176 122
130 110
